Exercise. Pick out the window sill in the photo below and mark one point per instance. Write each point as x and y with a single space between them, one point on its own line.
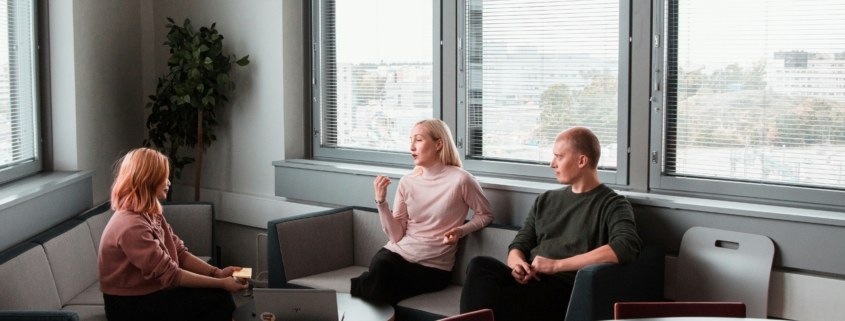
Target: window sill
30 187
746 209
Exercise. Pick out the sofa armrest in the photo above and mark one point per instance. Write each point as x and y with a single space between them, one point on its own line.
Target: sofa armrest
309 244
194 223
39 315
599 286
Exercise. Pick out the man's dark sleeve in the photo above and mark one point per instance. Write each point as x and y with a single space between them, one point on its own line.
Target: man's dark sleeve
526 239
623 239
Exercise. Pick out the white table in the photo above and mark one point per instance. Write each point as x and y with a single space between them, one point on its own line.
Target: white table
694 319
354 309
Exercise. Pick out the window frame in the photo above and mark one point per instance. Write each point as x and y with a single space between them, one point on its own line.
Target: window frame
659 182
541 171
34 166
318 97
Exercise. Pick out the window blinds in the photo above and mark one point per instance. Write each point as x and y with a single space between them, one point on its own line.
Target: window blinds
18 126
536 68
756 91
376 69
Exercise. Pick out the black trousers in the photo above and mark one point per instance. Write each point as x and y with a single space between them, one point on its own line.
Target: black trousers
176 303
490 285
392 279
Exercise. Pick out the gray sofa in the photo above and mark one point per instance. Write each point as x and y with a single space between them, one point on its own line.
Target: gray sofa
325 249
54 275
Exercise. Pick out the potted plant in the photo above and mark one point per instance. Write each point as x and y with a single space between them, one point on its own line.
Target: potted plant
183 107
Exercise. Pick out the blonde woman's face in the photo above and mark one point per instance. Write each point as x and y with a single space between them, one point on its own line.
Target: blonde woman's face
162 190
424 150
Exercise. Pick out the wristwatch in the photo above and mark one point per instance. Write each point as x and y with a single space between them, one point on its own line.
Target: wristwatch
378 203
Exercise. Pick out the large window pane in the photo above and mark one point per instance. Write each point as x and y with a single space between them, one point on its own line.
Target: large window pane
377 73
537 68
756 91
17 91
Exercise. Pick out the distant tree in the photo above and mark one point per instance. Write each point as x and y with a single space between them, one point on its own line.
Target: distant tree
598 105
557 109
368 85
595 107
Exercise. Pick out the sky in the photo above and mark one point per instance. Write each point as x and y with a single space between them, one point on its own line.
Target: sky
715 33
385 30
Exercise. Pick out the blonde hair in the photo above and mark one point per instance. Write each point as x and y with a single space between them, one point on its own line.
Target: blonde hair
438 130
138 180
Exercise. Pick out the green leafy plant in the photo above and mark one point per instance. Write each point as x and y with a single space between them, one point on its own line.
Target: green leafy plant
186 97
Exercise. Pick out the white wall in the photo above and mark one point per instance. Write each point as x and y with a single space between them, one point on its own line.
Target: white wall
97 99
254 126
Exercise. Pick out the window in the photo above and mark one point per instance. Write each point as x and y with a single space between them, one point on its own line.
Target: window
375 71
731 125
19 134
515 104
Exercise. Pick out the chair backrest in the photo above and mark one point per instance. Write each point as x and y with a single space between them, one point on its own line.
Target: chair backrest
725 266
491 241
480 315
368 236
301 258
640 310
194 224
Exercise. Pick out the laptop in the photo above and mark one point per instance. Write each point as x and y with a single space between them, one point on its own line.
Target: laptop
296 304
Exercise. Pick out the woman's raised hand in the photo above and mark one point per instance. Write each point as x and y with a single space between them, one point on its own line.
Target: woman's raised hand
380 186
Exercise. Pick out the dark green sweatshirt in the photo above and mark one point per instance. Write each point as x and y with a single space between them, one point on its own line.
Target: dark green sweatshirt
563 224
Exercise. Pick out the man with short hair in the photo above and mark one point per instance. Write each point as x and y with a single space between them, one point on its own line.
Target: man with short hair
567 229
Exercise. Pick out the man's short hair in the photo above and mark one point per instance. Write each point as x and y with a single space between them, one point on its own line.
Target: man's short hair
582 140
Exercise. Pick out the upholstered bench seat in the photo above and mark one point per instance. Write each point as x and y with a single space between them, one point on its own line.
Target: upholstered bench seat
324 250
54 275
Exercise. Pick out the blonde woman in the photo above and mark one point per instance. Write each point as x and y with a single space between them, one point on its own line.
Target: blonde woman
426 222
145 271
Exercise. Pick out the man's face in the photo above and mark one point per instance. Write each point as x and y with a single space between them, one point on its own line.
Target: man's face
566 162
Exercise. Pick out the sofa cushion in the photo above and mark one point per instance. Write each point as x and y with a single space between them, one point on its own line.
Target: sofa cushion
88 312
193 224
72 258
27 282
337 280
97 218
368 236
446 302
89 296
333 252
492 241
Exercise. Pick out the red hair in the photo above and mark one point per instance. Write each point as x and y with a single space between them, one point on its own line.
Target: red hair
140 176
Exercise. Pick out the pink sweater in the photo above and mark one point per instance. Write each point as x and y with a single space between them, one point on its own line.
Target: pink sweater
427 206
139 254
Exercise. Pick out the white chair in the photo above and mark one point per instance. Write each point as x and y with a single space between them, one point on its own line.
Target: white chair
725 266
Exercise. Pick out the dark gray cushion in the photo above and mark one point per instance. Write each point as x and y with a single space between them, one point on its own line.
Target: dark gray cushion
337 280
27 282
368 236
446 302
193 224
491 241
315 244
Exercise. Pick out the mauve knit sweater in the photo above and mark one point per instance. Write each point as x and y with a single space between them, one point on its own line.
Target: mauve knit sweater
139 254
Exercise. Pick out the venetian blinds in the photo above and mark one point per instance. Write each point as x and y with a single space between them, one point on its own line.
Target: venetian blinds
18 125
756 91
376 69
536 68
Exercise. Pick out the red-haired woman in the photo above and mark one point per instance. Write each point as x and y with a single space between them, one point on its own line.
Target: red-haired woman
145 271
